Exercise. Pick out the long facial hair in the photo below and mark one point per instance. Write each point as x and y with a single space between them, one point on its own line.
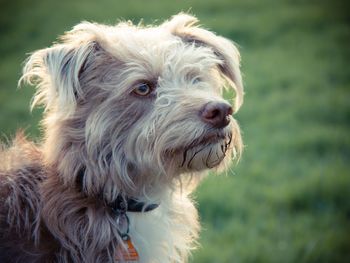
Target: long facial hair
121 143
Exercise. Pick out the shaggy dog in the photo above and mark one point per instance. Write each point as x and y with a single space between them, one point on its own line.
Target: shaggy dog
133 117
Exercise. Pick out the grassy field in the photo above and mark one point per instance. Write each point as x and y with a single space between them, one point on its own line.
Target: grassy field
288 200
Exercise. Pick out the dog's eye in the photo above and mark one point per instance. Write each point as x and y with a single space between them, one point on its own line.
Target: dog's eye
142 89
196 80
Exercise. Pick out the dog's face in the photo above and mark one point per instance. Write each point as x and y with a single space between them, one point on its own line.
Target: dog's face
142 100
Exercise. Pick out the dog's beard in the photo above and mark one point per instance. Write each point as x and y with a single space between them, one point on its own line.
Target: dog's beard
201 149
206 152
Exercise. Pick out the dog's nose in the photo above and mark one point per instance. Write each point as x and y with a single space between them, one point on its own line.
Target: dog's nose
216 114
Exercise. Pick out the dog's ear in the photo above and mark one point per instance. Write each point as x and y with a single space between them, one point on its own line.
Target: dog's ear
185 27
56 71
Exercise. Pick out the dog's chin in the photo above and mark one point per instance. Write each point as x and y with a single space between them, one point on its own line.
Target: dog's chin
206 153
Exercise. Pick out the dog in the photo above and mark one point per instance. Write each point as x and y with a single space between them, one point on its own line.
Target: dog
133 118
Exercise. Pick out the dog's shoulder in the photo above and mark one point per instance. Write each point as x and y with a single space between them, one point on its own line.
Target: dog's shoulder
21 172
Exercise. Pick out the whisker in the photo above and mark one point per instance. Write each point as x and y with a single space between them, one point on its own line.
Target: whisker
189 162
184 157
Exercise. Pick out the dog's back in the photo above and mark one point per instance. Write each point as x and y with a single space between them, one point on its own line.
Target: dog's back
22 234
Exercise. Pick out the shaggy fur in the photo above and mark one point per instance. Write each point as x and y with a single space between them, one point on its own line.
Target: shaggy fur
101 136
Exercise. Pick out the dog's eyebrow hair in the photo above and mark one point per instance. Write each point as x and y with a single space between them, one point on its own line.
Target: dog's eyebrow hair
152 81
199 43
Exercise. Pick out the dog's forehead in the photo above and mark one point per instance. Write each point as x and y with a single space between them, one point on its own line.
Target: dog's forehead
156 46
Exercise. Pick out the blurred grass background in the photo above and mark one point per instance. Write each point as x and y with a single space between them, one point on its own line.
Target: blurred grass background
288 200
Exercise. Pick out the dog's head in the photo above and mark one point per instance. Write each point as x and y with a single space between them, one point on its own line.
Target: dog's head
127 103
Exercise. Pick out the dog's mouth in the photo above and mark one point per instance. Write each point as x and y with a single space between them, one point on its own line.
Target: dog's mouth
213 137
206 152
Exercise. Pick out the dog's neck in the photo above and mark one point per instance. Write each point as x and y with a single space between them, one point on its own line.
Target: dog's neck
121 203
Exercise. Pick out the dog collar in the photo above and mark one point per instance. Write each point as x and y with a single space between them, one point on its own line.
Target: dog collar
127 204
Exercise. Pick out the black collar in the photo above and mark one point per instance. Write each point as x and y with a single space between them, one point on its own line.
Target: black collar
127 204
121 204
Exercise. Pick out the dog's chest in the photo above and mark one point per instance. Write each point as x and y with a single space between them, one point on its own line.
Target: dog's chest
166 233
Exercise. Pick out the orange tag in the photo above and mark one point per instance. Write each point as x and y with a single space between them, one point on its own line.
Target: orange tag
128 254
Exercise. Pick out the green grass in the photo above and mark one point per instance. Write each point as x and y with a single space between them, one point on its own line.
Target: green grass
288 200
